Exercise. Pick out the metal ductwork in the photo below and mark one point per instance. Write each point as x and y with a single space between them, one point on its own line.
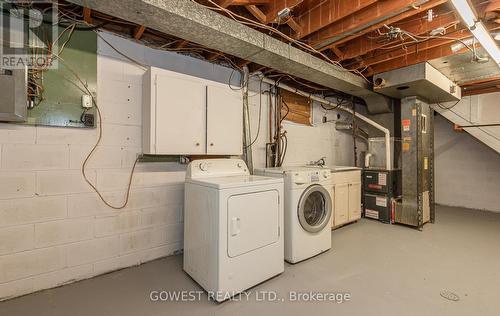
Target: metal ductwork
378 104
421 80
193 22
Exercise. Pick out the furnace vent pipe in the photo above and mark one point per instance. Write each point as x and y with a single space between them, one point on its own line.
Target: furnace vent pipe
342 108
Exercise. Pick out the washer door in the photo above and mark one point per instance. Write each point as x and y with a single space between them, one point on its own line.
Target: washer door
315 208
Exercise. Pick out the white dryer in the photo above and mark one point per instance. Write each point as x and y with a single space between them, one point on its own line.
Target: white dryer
233 227
308 210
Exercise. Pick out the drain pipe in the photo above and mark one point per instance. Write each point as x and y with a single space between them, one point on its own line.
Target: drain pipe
342 108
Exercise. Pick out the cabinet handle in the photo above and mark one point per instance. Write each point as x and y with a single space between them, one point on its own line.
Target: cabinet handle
197 144
211 144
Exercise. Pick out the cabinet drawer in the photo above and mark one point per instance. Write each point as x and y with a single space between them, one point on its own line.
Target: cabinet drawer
347 177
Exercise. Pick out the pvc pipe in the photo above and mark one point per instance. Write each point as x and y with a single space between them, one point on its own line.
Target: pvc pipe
343 108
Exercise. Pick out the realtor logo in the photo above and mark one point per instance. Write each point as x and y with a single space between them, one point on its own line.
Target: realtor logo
28 34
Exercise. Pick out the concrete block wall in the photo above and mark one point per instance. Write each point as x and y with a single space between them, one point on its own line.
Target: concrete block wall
55 230
305 143
467 171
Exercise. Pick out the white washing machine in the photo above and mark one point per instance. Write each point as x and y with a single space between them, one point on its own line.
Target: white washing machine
308 210
233 227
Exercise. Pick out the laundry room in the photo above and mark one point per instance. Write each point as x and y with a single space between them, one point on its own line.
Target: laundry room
265 157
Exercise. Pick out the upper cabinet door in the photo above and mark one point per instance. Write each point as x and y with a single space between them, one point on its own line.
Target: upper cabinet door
180 116
224 121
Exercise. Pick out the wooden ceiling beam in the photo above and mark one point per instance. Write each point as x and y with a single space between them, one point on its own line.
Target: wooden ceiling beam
328 12
468 92
271 10
257 13
249 2
411 51
415 57
87 15
480 82
363 45
181 44
139 31
492 5
225 3
292 23
213 56
243 63
380 10
423 8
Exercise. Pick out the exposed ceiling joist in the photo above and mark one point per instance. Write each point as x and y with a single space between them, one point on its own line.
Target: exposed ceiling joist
375 25
224 3
213 56
257 13
482 90
416 57
375 13
411 49
292 23
139 31
197 24
87 15
328 12
250 2
364 45
181 44
271 10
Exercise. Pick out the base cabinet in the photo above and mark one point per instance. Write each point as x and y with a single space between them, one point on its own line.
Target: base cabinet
347 197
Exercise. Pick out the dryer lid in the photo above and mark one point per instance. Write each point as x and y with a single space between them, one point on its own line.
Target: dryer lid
235 181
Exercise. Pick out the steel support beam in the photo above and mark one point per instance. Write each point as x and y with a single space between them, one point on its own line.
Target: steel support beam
195 23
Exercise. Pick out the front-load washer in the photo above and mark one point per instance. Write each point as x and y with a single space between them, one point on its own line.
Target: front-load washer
233 227
308 210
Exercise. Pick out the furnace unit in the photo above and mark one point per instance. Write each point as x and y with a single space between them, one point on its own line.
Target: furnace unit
417 151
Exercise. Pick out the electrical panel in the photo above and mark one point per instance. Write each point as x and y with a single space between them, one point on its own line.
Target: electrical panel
13 87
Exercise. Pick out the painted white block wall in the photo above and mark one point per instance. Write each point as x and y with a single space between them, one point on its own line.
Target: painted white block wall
305 143
467 171
54 230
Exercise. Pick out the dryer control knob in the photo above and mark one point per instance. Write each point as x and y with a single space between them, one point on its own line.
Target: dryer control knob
239 165
325 175
203 166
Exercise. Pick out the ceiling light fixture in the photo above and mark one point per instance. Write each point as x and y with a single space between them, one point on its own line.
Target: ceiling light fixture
484 38
285 12
466 12
477 28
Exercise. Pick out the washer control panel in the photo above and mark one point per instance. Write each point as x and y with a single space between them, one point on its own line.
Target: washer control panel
314 176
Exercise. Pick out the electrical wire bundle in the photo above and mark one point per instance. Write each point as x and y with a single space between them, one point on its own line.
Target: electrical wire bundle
249 22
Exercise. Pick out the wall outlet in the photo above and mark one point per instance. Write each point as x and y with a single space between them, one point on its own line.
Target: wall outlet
86 101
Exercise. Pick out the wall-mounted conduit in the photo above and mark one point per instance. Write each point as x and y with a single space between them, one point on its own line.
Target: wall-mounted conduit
342 108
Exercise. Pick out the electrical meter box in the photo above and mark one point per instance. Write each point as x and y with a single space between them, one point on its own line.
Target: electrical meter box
13 103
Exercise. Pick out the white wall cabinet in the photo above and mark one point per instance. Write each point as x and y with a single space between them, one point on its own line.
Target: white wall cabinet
224 121
347 197
190 116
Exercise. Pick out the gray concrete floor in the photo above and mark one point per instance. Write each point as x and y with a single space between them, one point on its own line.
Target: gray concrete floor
388 270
